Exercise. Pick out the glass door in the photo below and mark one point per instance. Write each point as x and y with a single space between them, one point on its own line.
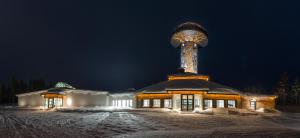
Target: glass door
253 105
187 102
184 103
53 102
50 103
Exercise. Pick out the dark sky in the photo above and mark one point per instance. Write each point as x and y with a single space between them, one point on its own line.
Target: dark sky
109 45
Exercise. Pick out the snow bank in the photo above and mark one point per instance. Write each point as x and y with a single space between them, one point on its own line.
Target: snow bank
143 123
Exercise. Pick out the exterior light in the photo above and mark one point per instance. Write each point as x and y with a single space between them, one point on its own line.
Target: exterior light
69 102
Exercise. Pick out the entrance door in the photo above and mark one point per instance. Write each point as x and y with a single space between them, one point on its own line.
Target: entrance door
187 102
50 103
253 105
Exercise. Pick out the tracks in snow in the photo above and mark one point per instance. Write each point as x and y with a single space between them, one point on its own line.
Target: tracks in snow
120 123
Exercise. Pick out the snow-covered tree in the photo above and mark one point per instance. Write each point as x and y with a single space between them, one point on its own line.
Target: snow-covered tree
295 91
281 89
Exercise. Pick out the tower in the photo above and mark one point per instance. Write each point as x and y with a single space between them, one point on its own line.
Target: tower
188 37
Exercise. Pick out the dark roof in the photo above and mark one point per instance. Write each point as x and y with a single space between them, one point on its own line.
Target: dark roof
189 84
190 26
56 90
129 90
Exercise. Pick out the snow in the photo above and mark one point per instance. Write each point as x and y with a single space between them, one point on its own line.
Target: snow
142 123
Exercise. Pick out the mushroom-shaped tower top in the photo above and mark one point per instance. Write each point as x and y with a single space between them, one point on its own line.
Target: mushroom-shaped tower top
189 32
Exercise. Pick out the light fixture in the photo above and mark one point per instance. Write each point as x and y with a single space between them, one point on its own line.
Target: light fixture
69 101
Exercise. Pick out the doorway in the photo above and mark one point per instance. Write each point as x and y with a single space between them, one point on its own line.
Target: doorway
187 102
53 102
253 105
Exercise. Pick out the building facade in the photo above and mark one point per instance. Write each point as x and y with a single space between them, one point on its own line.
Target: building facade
185 91
66 96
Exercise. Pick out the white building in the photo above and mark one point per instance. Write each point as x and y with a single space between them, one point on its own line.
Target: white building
64 95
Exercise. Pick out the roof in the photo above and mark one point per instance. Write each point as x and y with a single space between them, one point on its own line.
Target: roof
189 84
258 94
63 91
190 26
63 85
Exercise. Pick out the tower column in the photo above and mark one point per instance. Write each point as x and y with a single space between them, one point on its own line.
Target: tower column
189 57
189 37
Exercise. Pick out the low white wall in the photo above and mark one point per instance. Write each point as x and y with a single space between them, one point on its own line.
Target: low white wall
80 99
77 98
34 100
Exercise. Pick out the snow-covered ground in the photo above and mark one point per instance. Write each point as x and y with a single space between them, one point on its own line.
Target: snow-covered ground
135 123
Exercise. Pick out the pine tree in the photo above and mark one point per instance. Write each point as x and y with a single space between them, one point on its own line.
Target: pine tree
5 94
295 91
13 89
35 85
281 89
22 87
1 94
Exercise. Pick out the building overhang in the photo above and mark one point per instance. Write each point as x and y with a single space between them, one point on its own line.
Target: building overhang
53 95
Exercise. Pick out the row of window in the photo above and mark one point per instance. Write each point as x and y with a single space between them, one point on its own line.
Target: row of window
122 103
220 103
156 103
207 103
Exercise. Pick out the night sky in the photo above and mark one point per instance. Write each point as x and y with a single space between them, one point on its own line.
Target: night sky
115 45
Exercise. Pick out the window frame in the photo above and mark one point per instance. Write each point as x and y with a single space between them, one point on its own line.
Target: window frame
169 101
148 102
218 103
228 103
156 102
210 101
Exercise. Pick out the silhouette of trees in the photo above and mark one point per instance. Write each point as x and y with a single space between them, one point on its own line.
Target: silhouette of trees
295 92
8 91
281 89
288 94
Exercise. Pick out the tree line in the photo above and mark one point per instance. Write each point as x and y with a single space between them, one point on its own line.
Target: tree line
9 90
288 91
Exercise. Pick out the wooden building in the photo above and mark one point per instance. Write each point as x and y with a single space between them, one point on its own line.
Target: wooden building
187 92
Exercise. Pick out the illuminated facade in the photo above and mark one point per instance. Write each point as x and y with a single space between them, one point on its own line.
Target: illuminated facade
65 96
185 91
190 91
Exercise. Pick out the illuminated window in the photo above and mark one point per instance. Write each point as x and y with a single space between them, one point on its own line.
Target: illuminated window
127 103
207 104
114 103
119 103
231 104
196 101
123 103
253 104
130 103
58 102
220 103
156 102
168 103
146 103
46 103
